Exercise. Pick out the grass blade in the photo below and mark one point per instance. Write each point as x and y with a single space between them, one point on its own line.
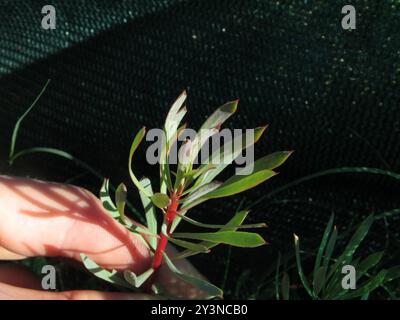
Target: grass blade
19 121
321 249
303 278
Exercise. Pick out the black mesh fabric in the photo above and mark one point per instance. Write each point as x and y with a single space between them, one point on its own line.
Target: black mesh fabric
331 95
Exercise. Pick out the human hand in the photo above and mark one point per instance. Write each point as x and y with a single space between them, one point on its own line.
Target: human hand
55 220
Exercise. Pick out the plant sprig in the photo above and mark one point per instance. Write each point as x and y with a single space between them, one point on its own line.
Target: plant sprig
188 187
179 192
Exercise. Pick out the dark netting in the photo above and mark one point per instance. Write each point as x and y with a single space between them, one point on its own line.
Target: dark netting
329 94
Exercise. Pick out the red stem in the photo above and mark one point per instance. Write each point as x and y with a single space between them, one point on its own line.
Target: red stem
169 218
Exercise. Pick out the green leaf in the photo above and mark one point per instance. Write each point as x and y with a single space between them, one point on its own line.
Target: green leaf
18 123
197 144
237 184
269 162
347 255
160 200
218 226
392 273
353 244
106 200
233 238
135 144
208 288
220 115
135 280
202 191
358 237
329 248
120 199
232 224
319 280
149 211
175 114
195 173
300 269
172 121
165 172
368 263
278 264
285 286
192 175
189 245
321 250
225 155
109 276
368 287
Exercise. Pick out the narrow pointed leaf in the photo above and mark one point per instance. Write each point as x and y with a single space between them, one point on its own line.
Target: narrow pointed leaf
174 116
321 249
219 226
270 162
208 288
237 184
285 284
19 121
225 155
149 211
199 141
392 273
106 200
220 115
135 280
138 139
194 174
303 278
369 262
232 224
109 276
233 238
319 280
370 286
329 249
277 272
353 244
202 191
189 245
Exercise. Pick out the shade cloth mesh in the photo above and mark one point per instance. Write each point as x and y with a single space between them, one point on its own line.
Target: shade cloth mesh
331 95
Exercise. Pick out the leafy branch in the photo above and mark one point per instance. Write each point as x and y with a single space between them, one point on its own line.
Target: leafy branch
179 192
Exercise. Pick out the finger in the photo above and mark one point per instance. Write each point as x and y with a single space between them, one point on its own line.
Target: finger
8 255
10 292
17 282
49 219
